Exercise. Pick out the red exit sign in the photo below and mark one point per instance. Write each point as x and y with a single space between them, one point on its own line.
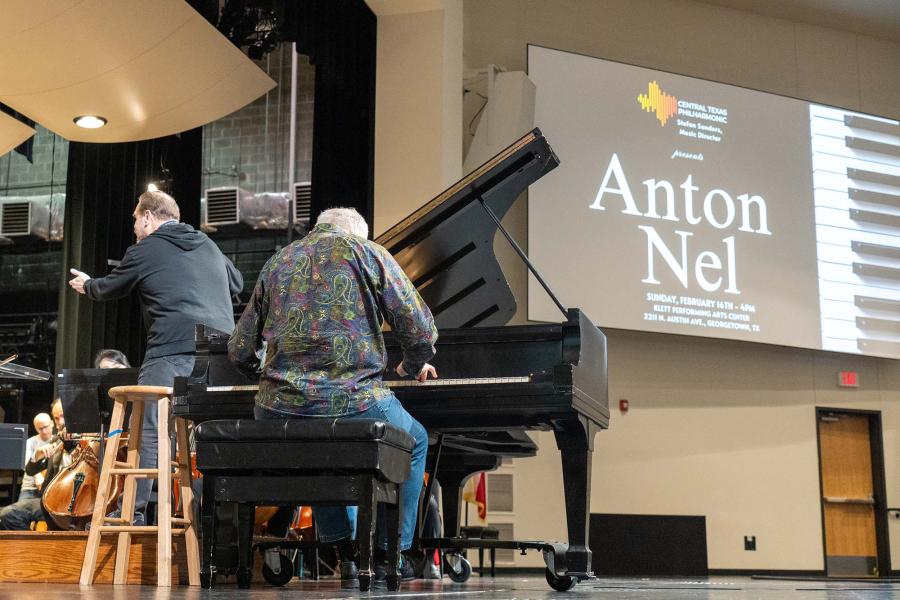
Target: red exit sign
848 379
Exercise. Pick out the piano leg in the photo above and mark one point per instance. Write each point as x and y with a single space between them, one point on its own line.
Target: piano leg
451 497
575 440
453 471
208 533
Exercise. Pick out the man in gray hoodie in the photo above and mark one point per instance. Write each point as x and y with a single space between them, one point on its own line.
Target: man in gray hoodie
182 278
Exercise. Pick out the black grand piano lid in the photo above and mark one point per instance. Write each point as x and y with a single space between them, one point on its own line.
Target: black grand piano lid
447 246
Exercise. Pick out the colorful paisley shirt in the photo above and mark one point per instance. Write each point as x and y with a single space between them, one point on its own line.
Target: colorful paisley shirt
319 305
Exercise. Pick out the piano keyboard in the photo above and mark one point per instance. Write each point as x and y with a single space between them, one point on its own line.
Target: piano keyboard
856 180
398 384
472 381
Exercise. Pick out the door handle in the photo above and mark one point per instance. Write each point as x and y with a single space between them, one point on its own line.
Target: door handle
843 500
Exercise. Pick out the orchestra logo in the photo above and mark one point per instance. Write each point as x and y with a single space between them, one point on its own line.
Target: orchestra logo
655 100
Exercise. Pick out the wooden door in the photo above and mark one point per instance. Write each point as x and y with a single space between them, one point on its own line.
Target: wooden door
845 449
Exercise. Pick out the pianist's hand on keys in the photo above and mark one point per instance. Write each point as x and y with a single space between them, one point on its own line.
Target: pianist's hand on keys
426 370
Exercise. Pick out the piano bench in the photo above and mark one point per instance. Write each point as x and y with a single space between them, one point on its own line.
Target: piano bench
301 461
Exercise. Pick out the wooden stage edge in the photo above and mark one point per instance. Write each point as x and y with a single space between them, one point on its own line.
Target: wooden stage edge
55 557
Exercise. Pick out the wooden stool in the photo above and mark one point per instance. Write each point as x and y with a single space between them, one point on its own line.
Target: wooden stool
137 395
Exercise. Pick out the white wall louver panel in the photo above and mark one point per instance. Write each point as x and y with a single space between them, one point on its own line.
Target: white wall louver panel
15 219
222 206
856 176
302 202
230 207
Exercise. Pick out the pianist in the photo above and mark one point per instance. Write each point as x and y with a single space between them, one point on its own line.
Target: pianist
318 307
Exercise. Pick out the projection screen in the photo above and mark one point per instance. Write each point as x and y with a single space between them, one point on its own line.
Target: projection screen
691 207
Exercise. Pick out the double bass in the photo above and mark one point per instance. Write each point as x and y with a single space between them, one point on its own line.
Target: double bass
68 499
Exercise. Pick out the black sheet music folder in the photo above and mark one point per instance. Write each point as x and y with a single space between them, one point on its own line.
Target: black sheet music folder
85 396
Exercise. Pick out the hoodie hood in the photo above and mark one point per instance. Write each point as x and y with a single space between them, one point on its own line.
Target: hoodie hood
181 235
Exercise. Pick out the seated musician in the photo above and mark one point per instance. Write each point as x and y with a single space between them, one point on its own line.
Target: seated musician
318 306
42 464
109 358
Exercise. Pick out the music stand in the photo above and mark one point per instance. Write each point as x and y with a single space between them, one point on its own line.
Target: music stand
13 439
85 396
11 370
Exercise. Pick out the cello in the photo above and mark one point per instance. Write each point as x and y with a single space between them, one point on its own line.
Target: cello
68 499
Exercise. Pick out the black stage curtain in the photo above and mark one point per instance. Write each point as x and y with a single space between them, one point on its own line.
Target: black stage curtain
103 183
340 39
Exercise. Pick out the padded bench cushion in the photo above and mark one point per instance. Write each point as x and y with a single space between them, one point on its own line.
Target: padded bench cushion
300 430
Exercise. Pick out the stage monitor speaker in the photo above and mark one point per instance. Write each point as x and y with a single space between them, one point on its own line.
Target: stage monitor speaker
13 437
648 545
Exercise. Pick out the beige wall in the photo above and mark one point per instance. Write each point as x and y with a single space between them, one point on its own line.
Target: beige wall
418 105
721 429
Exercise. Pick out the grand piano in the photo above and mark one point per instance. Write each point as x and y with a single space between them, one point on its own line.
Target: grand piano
495 381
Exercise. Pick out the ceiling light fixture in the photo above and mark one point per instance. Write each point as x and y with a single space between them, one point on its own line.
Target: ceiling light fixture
90 121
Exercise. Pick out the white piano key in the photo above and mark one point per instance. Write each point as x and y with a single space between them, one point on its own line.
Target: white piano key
845 255
846 290
832 198
843 236
839 164
841 218
827 180
838 129
837 147
841 310
829 128
829 272
840 329
830 112
840 345
827 112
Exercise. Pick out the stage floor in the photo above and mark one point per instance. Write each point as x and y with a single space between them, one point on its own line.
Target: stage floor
501 588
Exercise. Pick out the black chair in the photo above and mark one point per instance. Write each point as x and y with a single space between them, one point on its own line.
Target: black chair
302 461
482 533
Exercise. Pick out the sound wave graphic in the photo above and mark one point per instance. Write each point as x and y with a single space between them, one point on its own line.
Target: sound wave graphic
657 100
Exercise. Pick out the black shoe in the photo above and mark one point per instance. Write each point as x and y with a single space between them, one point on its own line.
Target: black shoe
406 571
349 575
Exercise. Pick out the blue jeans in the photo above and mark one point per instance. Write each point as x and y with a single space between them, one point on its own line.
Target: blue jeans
339 522
155 371
19 515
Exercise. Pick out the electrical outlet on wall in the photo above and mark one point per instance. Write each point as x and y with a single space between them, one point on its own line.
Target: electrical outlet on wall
750 542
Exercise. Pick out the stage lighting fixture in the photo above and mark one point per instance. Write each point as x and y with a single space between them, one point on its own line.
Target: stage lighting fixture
90 121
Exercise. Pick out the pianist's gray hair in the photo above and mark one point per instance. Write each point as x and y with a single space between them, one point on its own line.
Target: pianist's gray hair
346 219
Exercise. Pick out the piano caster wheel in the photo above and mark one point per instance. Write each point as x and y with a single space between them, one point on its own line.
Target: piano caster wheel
365 582
393 583
243 579
207 581
560 583
458 568
283 577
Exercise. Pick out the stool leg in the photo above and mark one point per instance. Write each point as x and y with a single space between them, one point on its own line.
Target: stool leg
246 513
365 530
187 501
208 532
123 548
103 490
393 512
164 498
